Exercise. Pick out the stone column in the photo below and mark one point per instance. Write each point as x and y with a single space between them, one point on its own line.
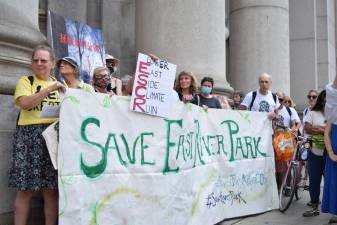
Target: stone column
259 42
19 34
118 25
303 70
326 55
189 33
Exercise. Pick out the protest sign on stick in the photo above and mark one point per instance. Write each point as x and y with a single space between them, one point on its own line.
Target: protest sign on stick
153 86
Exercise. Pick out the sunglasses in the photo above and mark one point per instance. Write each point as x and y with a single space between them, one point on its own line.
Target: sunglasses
280 99
312 96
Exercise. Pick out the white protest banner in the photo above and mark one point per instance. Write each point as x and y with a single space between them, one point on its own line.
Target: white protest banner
153 86
194 167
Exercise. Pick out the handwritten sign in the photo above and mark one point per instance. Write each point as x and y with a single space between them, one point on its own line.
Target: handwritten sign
194 167
153 86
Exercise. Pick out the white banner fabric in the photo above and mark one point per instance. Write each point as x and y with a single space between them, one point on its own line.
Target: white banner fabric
195 167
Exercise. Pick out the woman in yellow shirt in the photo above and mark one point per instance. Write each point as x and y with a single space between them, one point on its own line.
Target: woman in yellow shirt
32 169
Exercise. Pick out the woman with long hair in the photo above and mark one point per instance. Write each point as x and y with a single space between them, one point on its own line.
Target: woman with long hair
314 125
186 87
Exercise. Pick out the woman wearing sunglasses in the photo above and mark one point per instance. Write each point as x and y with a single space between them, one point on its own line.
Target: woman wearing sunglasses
312 96
102 82
314 125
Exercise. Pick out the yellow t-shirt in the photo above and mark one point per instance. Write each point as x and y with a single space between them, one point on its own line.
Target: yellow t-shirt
24 88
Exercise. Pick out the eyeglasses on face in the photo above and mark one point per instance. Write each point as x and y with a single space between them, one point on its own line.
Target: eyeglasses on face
312 96
280 99
101 76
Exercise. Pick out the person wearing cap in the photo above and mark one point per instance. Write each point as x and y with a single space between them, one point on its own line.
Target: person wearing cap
112 65
69 70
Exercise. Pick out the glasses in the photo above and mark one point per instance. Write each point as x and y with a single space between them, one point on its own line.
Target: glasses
280 99
100 76
312 96
40 60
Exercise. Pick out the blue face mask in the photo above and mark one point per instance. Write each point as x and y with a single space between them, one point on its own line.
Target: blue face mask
206 90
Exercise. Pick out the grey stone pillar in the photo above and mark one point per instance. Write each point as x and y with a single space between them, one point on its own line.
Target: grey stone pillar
19 34
259 42
118 25
189 33
325 26
303 49
312 46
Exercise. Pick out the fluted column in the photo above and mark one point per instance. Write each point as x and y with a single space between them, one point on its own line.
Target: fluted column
259 42
19 33
189 33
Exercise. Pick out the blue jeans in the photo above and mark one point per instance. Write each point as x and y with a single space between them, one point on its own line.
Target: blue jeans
315 170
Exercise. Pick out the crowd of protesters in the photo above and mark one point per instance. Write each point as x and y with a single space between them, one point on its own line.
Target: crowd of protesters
32 169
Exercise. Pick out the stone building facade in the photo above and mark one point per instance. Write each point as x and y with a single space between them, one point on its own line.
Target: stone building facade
293 40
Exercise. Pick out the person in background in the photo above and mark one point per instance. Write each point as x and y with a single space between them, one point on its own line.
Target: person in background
288 102
112 64
287 118
262 100
312 96
223 101
186 87
237 99
287 115
314 125
127 84
102 81
32 169
69 70
207 100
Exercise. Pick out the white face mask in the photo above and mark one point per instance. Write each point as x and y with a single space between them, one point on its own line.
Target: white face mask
112 69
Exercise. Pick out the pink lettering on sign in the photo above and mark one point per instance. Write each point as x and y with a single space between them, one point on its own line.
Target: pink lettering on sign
140 90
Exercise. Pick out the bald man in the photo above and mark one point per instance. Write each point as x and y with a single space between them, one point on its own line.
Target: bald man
261 100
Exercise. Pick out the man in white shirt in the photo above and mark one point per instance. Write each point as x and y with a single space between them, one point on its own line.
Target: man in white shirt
261 100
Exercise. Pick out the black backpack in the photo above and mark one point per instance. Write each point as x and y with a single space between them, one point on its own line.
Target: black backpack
254 96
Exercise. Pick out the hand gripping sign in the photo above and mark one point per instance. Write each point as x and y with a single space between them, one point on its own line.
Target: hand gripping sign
153 86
